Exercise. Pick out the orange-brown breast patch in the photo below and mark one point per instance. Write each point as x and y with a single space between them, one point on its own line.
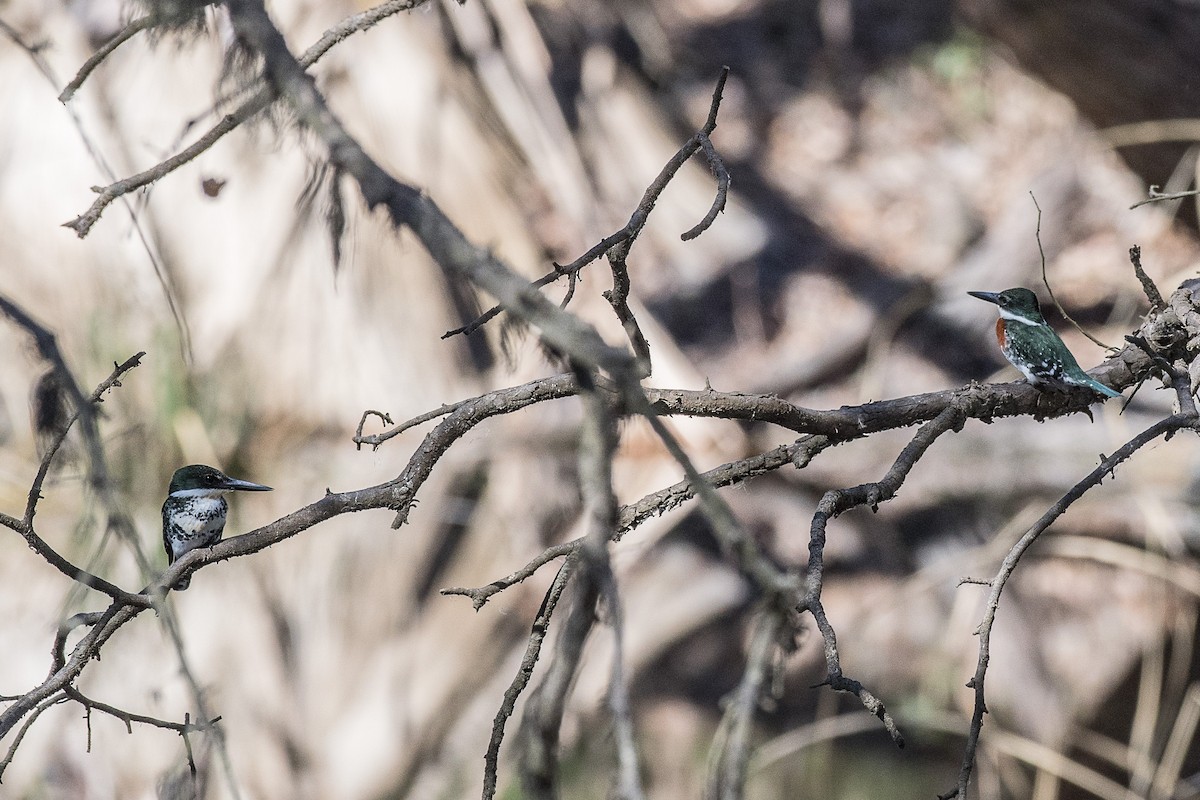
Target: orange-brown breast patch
1000 332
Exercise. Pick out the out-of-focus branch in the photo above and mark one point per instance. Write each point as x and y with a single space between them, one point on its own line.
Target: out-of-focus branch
82 225
131 29
85 414
47 347
84 410
731 745
542 721
117 614
1157 196
597 448
540 724
34 713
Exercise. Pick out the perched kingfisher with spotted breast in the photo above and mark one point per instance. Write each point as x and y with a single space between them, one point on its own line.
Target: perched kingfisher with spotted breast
1032 346
194 513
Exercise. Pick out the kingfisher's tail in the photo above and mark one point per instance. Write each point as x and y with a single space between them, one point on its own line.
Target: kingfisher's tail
1098 387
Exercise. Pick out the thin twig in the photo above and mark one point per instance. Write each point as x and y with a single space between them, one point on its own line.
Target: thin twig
1158 197
133 28
481 595
1046 280
128 717
717 165
542 720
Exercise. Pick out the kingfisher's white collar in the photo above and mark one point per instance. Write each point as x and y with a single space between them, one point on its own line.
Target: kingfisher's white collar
1011 317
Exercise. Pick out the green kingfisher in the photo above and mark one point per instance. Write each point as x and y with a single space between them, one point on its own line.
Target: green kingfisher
194 513
1032 346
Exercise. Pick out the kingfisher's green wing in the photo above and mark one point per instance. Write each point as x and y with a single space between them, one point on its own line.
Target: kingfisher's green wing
1040 349
1044 354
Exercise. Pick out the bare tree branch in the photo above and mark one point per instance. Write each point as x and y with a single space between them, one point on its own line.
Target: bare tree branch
626 235
1164 428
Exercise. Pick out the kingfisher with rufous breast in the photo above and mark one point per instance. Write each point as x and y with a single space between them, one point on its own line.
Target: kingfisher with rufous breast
1032 346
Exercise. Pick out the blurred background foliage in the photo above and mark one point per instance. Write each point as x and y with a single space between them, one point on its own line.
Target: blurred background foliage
883 154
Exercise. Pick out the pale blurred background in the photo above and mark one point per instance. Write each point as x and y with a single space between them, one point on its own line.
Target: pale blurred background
882 154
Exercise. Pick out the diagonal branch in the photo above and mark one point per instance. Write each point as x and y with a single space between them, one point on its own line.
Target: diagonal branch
133 28
1163 428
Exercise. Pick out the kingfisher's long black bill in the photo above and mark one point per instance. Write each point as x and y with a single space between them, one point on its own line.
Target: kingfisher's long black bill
245 486
991 297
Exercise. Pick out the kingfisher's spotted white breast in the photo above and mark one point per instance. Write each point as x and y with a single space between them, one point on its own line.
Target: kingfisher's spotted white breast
194 513
1032 346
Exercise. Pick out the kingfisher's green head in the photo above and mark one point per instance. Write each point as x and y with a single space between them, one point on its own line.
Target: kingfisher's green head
1018 304
199 480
